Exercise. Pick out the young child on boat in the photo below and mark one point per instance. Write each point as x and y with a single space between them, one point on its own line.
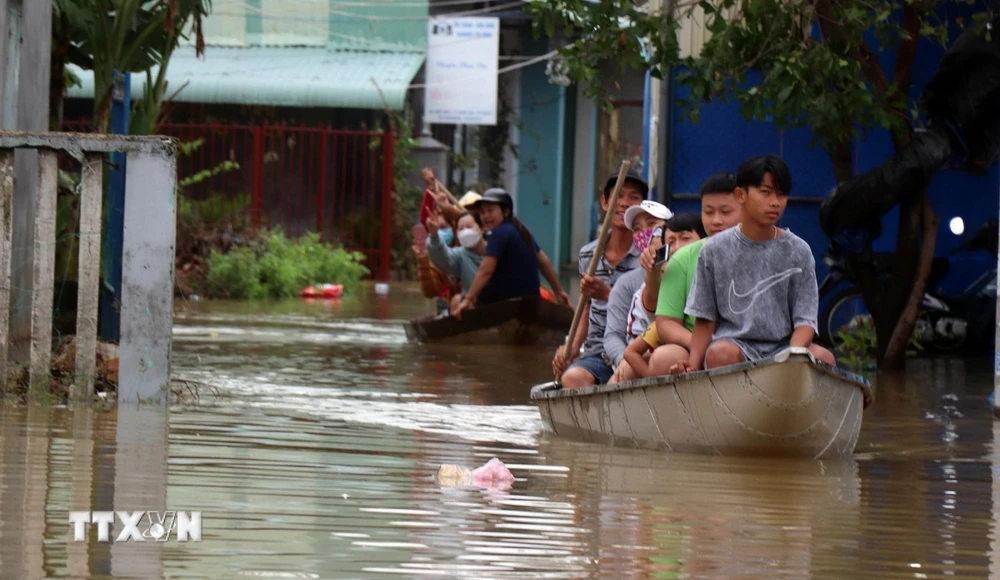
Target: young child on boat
754 291
627 317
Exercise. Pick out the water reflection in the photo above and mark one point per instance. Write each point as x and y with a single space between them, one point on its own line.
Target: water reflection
318 462
656 515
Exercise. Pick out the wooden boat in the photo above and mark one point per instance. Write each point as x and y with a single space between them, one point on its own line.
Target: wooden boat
788 405
531 321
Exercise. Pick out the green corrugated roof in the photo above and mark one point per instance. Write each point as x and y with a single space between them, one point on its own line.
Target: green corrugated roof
285 76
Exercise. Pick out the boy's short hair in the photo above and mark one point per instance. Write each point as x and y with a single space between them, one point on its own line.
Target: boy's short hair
751 173
686 222
724 182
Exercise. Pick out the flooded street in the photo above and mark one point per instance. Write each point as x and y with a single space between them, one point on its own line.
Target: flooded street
313 455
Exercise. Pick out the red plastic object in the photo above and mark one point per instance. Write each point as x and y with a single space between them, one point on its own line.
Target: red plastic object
427 205
329 291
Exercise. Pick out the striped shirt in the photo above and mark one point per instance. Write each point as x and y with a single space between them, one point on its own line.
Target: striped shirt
599 308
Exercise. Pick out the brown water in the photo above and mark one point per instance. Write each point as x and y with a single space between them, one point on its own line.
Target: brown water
317 460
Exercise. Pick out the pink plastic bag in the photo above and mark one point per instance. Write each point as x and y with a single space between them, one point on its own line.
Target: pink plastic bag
493 474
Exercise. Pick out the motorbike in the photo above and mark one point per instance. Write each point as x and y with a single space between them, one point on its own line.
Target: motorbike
946 323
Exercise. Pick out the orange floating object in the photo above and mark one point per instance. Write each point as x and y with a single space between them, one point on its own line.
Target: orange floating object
329 291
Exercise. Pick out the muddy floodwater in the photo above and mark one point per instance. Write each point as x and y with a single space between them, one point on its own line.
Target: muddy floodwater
313 454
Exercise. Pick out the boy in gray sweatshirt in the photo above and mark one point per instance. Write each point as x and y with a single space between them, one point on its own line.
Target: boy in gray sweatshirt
754 291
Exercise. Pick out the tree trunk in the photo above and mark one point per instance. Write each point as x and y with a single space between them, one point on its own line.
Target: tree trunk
895 306
895 350
843 164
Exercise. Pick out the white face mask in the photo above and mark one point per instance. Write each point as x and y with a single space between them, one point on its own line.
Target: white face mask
469 238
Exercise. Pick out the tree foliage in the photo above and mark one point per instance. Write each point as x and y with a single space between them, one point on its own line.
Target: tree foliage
123 35
797 63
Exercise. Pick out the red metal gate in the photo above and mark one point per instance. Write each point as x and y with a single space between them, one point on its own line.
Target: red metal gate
304 179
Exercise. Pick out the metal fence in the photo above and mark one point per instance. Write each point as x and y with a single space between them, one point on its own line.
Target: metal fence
335 182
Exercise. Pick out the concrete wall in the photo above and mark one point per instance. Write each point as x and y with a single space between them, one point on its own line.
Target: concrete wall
543 154
585 180
24 53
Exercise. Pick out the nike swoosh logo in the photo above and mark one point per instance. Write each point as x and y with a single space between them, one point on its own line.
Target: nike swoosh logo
759 289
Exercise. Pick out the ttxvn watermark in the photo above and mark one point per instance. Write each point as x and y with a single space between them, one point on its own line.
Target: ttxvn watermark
138 526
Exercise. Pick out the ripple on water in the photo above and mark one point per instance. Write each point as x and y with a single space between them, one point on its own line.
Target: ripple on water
321 464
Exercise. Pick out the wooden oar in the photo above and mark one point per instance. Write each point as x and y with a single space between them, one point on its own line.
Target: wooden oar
602 240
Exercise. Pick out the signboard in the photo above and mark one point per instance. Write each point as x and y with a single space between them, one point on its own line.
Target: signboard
461 83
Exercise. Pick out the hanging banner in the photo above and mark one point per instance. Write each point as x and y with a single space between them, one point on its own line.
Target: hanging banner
461 71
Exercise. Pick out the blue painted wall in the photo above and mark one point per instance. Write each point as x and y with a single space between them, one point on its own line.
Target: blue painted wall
723 139
543 155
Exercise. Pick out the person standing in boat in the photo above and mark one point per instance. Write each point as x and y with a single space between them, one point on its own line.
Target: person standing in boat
754 291
632 317
719 212
512 261
620 257
461 262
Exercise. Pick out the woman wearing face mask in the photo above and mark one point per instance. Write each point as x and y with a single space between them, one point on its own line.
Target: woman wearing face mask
628 314
512 259
461 262
434 283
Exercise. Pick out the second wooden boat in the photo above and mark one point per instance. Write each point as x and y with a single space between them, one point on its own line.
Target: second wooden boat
530 321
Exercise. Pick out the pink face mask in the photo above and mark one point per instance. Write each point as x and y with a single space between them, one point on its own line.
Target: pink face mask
641 239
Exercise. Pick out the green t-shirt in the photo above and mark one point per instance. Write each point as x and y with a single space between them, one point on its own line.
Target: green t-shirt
676 283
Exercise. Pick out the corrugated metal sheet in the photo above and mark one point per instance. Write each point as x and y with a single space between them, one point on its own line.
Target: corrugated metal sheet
226 26
693 34
294 77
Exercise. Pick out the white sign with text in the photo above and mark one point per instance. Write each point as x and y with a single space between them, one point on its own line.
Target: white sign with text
461 72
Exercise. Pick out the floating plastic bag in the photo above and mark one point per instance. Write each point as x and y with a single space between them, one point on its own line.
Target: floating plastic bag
493 474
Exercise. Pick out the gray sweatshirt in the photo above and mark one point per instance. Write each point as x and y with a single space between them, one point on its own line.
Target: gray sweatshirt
619 302
458 262
758 292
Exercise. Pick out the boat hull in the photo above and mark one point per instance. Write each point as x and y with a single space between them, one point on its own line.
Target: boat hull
529 321
788 405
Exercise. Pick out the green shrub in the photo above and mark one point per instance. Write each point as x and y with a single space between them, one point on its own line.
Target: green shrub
277 267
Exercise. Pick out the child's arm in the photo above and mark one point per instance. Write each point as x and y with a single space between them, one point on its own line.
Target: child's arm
651 291
634 357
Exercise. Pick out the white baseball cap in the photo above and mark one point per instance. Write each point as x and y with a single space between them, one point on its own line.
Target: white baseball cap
657 210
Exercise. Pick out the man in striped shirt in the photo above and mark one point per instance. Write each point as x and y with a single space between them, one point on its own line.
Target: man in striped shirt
591 366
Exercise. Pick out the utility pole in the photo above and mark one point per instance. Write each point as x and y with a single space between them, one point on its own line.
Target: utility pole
651 109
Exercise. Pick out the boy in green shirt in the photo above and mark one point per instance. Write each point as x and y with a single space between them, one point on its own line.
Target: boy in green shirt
719 212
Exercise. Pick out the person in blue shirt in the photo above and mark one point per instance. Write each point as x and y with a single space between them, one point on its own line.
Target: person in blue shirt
512 261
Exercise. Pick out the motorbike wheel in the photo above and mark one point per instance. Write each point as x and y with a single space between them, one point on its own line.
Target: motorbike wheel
845 308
